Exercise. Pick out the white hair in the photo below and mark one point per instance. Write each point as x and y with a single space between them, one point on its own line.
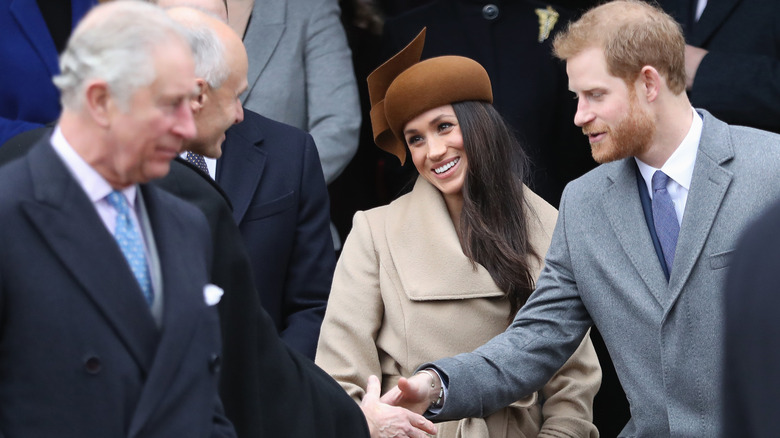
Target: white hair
115 42
208 51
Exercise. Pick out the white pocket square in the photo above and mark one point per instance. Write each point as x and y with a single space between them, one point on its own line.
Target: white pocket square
212 294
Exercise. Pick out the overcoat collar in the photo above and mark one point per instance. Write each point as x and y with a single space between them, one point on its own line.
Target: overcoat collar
623 208
243 155
183 299
714 15
262 36
711 180
425 249
68 222
30 20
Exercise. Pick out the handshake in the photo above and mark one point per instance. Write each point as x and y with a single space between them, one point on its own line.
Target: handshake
398 413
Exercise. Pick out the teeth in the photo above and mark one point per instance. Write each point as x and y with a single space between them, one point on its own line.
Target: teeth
446 167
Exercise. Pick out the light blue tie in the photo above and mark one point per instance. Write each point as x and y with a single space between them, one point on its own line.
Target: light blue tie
665 218
129 239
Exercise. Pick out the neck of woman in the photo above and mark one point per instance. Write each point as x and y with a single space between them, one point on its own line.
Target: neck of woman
454 207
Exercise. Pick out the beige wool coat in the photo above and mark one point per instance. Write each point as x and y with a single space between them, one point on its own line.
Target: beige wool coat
404 293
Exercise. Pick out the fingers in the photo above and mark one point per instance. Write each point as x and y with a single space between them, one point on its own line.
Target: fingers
372 388
386 421
411 391
422 423
392 397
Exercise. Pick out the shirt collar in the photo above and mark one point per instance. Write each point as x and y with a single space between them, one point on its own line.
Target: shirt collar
679 166
95 186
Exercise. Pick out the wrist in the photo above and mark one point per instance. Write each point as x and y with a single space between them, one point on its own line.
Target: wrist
435 390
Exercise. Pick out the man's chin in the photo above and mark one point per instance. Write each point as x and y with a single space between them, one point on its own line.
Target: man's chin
602 154
214 152
155 170
608 157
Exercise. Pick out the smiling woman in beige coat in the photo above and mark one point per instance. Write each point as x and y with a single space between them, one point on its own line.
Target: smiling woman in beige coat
443 269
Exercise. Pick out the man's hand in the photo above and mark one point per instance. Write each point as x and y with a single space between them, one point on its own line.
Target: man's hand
693 57
385 421
414 393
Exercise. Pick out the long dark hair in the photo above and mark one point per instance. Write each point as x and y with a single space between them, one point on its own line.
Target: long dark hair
494 223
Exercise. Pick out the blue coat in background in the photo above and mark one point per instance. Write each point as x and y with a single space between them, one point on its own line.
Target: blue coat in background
28 97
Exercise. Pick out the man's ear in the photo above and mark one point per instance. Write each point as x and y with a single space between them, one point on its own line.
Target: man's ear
650 82
99 103
198 101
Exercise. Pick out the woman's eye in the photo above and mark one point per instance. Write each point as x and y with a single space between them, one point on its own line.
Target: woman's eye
411 141
444 126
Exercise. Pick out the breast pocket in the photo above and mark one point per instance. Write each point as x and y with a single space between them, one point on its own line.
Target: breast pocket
270 208
721 259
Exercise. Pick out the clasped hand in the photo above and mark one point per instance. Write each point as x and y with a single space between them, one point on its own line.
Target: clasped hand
397 414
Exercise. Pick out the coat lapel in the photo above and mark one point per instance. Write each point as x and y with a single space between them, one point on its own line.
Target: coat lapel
424 241
242 154
80 9
69 224
262 36
715 13
624 210
29 18
708 188
181 312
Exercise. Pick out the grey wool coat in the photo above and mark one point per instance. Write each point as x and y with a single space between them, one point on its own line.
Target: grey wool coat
665 339
300 73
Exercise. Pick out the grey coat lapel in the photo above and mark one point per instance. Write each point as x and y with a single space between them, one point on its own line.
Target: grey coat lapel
262 36
624 210
708 188
69 224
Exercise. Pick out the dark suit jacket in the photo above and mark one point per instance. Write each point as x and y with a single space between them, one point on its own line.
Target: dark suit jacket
268 389
530 87
79 351
29 99
272 175
751 382
739 80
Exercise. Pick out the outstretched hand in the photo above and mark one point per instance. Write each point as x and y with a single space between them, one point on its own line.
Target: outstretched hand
412 393
386 421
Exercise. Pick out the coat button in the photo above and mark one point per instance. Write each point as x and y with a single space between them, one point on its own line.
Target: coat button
490 11
215 363
93 365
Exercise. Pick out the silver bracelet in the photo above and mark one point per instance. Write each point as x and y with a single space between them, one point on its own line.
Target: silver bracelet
438 402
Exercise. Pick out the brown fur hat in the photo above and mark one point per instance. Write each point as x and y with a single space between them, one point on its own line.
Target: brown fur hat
404 87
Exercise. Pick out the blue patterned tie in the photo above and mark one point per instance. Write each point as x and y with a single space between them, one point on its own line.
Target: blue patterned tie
198 161
665 218
129 239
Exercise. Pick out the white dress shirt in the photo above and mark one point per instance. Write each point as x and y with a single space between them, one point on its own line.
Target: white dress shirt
97 189
679 168
700 8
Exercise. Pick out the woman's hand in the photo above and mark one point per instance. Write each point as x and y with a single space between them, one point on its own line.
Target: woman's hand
387 421
413 393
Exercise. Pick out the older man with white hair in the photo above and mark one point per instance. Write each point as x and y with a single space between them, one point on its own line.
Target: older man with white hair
106 329
272 175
